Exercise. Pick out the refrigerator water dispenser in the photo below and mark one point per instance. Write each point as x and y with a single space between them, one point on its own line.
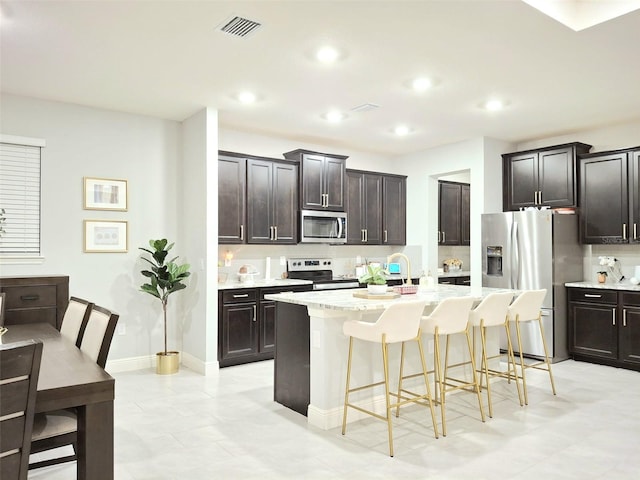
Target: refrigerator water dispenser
494 260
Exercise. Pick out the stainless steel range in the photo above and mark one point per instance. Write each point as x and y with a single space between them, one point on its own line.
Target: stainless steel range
319 271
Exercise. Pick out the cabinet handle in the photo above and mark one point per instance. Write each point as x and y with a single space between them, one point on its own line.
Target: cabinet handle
244 295
591 295
385 237
438 236
275 232
535 197
613 317
29 297
540 197
624 231
624 317
444 237
635 233
241 232
254 313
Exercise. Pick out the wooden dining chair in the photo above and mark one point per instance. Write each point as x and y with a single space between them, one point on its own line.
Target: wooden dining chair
20 363
59 428
75 319
2 307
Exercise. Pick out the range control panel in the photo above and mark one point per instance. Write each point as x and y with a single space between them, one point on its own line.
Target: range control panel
308 264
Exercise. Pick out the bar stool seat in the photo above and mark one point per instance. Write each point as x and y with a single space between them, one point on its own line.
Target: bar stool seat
400 322
450 317
527 307
493 312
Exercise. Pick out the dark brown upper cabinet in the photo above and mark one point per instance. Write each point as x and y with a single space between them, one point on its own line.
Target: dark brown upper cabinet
322 180
453 213
232 209
376 208
542 177
364 208
610 197
394 210
272 199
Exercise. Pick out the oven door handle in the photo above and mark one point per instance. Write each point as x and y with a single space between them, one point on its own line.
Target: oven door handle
339 220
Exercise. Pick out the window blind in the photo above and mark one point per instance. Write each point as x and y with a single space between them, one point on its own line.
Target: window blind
20 199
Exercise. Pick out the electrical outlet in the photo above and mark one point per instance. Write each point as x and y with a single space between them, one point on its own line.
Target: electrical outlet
122 329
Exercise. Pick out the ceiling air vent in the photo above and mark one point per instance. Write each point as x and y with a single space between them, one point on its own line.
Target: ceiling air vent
365 107
238 26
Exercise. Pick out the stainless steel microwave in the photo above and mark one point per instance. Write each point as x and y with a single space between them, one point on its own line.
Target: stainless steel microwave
323 227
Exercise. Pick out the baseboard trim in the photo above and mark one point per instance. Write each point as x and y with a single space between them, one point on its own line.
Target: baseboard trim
328 419
147 362
130 364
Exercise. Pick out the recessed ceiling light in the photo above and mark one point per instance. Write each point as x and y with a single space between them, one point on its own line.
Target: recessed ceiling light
494 105
335 116
401 130
421 84
246 97
327 54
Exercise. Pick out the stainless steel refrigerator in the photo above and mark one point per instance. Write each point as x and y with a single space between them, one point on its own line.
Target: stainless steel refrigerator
534 249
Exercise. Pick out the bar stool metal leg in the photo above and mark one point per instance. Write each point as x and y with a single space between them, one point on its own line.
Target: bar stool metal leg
546 355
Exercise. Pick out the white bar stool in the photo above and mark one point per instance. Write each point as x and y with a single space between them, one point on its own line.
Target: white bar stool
450 317
400 322
527 308
493 312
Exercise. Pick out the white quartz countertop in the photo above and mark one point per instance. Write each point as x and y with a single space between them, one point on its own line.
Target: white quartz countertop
624 285
275 282
344 299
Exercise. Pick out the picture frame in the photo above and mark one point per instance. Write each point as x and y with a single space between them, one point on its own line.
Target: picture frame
106 236
105 194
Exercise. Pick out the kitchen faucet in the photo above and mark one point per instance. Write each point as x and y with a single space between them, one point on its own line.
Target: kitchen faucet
406 259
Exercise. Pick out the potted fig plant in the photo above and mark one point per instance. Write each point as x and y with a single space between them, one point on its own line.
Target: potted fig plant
375 279
165 278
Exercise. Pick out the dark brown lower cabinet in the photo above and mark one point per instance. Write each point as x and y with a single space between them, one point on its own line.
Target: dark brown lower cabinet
466 280
246 324
604 327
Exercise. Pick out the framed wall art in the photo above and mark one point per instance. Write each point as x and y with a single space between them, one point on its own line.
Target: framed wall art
105 236
105 194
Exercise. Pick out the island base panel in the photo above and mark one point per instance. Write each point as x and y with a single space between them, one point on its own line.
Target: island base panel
292 359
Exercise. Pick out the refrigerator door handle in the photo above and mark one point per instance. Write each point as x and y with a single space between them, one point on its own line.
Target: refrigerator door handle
515 257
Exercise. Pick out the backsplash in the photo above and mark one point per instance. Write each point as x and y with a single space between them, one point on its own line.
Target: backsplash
344 257
627 255
459 252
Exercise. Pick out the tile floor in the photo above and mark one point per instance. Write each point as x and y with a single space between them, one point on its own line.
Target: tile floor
187 426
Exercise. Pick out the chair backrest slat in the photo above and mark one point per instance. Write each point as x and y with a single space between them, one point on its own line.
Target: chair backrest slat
75 319
98 334
20 368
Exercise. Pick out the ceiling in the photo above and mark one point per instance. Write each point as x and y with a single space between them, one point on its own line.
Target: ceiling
166 59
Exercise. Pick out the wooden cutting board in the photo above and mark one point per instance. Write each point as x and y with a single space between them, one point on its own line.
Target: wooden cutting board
380 296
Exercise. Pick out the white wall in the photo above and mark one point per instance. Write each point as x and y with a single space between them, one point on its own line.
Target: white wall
89 142
480 158
606 138
198 233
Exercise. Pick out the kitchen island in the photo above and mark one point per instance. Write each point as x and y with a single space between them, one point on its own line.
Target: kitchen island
311 350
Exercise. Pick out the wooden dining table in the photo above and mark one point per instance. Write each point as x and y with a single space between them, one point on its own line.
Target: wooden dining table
69 378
